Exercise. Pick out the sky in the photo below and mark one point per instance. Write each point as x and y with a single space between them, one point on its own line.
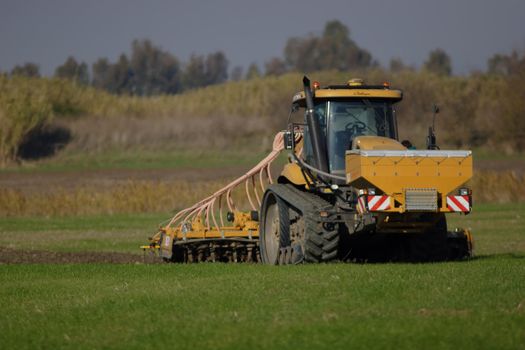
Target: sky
46 32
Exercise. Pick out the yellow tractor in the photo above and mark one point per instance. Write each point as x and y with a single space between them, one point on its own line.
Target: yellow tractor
350 192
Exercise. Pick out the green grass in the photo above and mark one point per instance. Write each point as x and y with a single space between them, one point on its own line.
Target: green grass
497 229
138 160
482 154
121 233
478 304
474 305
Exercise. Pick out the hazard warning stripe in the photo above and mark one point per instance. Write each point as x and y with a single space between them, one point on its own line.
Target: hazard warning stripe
378 203
361 204
458 203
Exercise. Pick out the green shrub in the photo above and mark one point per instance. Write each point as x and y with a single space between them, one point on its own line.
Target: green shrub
23 107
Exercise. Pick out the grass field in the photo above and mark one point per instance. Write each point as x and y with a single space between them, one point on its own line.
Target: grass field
138 159
132 161
474 304
497 228
468 305
120 233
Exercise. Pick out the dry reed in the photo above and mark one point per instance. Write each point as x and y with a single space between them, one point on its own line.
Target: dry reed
142 196
471 109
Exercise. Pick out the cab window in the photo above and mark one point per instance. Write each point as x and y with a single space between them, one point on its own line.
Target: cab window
349 119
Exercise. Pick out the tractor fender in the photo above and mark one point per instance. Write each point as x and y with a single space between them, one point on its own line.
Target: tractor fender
292 173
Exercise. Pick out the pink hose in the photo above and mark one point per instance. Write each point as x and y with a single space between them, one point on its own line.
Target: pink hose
204 207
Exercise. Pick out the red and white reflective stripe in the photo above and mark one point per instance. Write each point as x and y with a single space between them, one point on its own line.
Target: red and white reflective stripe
361 204
458 203
378 203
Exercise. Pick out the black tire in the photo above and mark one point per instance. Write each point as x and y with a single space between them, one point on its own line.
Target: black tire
459 245
178 254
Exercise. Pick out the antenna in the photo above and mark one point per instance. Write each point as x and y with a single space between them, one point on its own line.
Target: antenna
435 110
431 138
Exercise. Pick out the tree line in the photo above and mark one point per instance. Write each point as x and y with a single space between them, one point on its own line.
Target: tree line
150 70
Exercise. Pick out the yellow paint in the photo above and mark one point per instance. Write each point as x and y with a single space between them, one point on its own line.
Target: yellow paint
151 246
395 95
393 174
223 232
292 172
356 82
242 226
376 142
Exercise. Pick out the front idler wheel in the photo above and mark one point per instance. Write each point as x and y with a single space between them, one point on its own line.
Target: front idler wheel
274 237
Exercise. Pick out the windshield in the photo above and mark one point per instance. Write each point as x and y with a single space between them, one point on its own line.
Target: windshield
349 119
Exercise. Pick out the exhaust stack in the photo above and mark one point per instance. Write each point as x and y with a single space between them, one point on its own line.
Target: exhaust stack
314 129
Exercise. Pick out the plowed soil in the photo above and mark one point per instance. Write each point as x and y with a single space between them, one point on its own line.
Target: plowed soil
15 256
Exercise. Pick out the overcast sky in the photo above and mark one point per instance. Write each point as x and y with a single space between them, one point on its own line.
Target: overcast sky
47 31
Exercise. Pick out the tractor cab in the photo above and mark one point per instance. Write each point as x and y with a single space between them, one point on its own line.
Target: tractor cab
345 112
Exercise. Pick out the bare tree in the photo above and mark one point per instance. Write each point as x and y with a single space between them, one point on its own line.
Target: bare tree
237 73
438 62
253 72
333 50
155 71
275 66
73 70
28 69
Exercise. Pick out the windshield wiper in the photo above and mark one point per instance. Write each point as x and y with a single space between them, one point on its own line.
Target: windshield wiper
378 115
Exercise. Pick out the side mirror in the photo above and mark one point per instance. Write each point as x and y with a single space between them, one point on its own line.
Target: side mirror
288 140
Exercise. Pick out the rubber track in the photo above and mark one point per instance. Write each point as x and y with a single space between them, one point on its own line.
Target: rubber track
321 245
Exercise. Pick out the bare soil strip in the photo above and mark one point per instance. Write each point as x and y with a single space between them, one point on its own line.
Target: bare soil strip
40 181
15 256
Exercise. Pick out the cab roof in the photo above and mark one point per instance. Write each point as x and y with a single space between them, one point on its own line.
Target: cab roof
354 88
